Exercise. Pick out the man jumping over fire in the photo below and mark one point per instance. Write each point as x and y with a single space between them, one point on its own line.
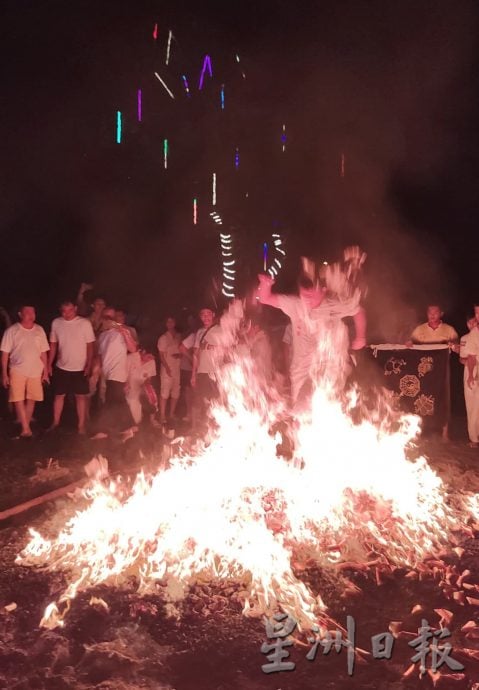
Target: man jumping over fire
320 337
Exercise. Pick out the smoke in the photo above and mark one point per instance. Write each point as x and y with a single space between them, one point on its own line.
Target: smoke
390 87
390 90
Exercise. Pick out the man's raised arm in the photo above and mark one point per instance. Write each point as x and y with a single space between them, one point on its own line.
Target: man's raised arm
263 292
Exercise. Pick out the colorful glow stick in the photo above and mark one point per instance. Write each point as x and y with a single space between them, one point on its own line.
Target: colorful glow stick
222 96
155 32
237 159
139 104
206 64
118 127
185 83
165 153
265 256
283 138
163 84
195 211
214 190
168 47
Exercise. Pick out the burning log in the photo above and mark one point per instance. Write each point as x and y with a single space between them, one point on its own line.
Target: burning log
96 469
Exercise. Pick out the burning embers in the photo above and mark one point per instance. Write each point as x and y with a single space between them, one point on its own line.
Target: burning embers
235 509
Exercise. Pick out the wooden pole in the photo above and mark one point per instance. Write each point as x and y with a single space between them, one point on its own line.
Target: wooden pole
56 493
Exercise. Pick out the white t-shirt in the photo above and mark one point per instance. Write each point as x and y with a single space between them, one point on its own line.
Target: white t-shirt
25 346
288 335
262 355
114 353
169 345
320 338
189 343
469 345
72 338
209 354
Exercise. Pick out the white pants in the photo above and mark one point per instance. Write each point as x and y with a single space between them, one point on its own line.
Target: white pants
133 399
471 396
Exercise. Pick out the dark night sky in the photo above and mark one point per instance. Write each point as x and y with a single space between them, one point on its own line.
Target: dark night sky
392 84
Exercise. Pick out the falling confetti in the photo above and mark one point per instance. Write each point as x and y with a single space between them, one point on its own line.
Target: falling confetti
168 47
185 84
283 138
265 256
118 127
237 159
238 61
206 64
165 153
195 211
213 201
155 32
163 84
222 96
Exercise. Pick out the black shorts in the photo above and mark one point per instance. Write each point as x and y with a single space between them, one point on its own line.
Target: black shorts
206 388
66 382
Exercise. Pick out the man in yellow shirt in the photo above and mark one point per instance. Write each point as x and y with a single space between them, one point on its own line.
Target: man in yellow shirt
434 330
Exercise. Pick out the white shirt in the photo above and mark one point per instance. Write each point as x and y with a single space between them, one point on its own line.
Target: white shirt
288 335
25 346
320 338
470 343
114 355
469 346
262 355
169 345
72 338
208 354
